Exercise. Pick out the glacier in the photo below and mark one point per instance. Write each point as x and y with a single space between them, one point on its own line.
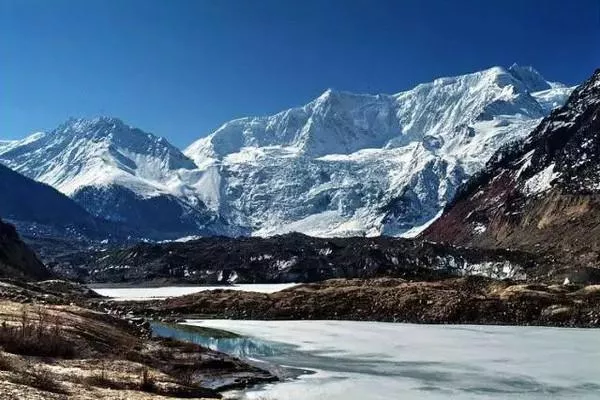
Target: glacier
344 164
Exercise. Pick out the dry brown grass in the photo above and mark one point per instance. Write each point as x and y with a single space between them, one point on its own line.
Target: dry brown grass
147 382
104 378
40 335
41 378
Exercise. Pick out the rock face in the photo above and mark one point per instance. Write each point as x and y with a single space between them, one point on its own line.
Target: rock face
16 259
541 193
342 165
288 258
33 204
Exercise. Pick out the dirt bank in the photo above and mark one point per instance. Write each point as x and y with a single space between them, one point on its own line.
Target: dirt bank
468 300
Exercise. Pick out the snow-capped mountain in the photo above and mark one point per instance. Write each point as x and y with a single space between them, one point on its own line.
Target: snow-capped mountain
343 164
103 151
114 171
539 194
348 164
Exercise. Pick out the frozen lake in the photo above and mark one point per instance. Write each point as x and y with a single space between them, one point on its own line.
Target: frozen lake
155 293
383 361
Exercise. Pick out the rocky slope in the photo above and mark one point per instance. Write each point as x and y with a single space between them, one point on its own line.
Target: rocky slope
68 352
541 193
16 259
290 258
344 164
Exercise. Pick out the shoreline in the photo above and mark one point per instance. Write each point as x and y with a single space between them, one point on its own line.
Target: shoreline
56 327
461 301
151 285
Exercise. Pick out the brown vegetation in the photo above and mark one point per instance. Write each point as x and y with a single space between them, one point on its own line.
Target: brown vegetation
41 337
69 351
469 300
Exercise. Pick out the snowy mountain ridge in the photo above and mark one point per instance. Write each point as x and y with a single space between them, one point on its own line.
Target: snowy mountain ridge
539 194
347 164
343 122
100 151
116 172
343 164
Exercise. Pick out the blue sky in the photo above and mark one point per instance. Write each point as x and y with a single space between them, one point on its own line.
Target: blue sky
181 68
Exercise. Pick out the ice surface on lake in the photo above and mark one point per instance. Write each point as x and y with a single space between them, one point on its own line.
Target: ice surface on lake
377 361
153 293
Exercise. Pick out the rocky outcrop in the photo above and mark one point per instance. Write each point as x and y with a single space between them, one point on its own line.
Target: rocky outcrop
540 195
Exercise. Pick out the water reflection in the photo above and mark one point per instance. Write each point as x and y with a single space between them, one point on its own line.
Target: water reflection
238 346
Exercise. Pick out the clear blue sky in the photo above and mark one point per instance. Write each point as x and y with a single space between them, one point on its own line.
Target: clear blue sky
181 68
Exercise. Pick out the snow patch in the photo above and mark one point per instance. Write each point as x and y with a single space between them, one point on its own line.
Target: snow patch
283 265
541 181
325 252
479 228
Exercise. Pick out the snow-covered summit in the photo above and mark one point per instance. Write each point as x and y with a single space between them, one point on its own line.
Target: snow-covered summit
531 78
348 164
116 172
339 122
538 194
335 122
99 151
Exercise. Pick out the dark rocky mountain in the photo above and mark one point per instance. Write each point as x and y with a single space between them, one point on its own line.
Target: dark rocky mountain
16 259
40 211
539 194
159 217
23 199
288 258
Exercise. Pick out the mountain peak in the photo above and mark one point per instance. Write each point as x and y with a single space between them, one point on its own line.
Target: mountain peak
99 151
327 93
91 126
530 77
326 97
538 193
333 95
113 130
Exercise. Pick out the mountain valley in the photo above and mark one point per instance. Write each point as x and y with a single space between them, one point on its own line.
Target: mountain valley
279 200
514 246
